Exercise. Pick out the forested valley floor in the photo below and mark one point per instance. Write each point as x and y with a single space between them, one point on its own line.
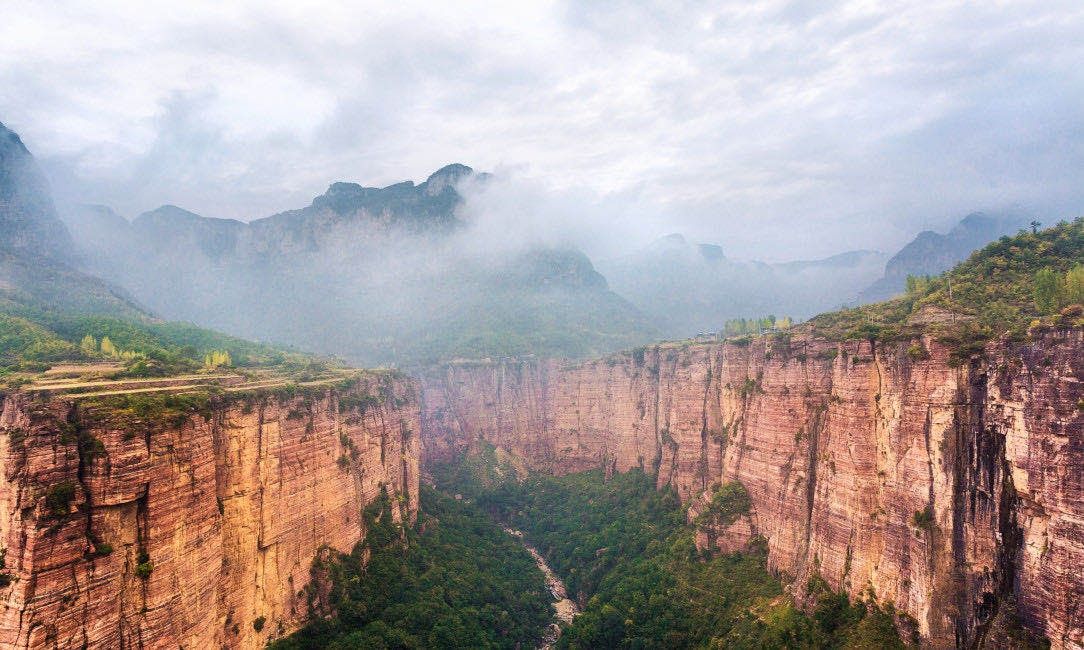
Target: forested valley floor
622 548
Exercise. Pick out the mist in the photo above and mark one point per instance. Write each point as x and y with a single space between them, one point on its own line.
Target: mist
786 131
643 170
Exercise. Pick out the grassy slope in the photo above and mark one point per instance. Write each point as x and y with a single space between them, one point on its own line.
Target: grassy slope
47 308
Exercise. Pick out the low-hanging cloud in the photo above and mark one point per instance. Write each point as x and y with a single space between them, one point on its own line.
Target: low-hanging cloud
510 211
780 129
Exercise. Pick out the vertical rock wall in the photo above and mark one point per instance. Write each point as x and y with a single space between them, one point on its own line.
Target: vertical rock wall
951 490
226 510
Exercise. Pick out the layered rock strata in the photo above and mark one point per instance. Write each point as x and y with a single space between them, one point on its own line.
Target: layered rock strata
143 528
951 488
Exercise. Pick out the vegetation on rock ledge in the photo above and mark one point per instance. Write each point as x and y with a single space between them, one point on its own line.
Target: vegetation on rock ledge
1001 289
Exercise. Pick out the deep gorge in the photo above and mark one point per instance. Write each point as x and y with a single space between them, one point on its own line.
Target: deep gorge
950 488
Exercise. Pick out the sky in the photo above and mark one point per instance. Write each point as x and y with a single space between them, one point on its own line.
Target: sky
780 130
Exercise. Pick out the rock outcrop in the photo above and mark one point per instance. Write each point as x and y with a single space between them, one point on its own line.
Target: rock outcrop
952 489
126 527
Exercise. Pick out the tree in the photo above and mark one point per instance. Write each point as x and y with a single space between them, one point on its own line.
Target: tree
1046 289
215 359
108 348
918 285
1074 285
89 344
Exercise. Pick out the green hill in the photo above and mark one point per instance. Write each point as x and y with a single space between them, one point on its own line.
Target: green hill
1008 288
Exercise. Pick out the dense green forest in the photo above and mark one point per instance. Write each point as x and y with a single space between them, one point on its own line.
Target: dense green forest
455 580
625 552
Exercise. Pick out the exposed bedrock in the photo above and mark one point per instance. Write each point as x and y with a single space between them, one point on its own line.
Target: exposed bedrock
952 490
190 531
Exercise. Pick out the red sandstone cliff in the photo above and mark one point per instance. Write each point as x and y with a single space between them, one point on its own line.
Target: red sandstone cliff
229 508
839 446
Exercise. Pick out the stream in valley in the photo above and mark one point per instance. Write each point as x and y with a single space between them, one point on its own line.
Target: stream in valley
565 606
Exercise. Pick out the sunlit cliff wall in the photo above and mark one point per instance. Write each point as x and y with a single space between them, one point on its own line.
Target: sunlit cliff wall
839 446
229 507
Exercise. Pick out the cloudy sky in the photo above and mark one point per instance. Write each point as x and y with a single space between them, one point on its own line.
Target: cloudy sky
780 129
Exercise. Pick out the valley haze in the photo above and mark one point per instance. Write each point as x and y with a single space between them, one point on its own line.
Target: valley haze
547 325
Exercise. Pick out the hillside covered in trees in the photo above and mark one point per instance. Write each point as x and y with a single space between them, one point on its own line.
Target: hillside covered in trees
1030 280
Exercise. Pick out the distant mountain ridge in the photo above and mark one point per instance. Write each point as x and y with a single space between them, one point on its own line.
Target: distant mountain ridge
380 275
688 288
390 274
931 253
28 219
35 248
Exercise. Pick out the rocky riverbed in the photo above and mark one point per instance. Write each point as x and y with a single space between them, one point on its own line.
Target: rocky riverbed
565 606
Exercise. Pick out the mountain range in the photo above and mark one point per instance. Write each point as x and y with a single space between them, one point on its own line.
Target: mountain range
377 275
397 275
687 288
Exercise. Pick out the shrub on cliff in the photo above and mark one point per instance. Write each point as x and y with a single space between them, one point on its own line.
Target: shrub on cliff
728 503
923 518
144 566
58 498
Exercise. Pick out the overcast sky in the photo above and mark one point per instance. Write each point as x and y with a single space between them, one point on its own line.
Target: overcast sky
780 130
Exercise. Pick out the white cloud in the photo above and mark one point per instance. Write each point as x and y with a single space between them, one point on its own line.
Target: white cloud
784 128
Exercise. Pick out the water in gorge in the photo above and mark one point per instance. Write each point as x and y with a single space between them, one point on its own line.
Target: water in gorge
566 608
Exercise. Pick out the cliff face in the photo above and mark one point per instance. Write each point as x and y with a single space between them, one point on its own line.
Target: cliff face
953 491
191 531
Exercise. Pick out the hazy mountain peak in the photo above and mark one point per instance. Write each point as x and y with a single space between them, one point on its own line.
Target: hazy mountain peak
975 220
668 243
344 188
711 252
168 212
28 219
446 176
104 211
10 141
931 253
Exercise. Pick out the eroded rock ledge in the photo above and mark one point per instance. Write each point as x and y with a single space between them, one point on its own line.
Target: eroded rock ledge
953 490
125 530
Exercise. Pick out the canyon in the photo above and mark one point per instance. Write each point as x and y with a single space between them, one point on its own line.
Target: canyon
947 485
195 529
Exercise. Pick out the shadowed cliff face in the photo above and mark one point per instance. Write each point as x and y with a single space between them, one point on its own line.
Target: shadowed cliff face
953 492
185 532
